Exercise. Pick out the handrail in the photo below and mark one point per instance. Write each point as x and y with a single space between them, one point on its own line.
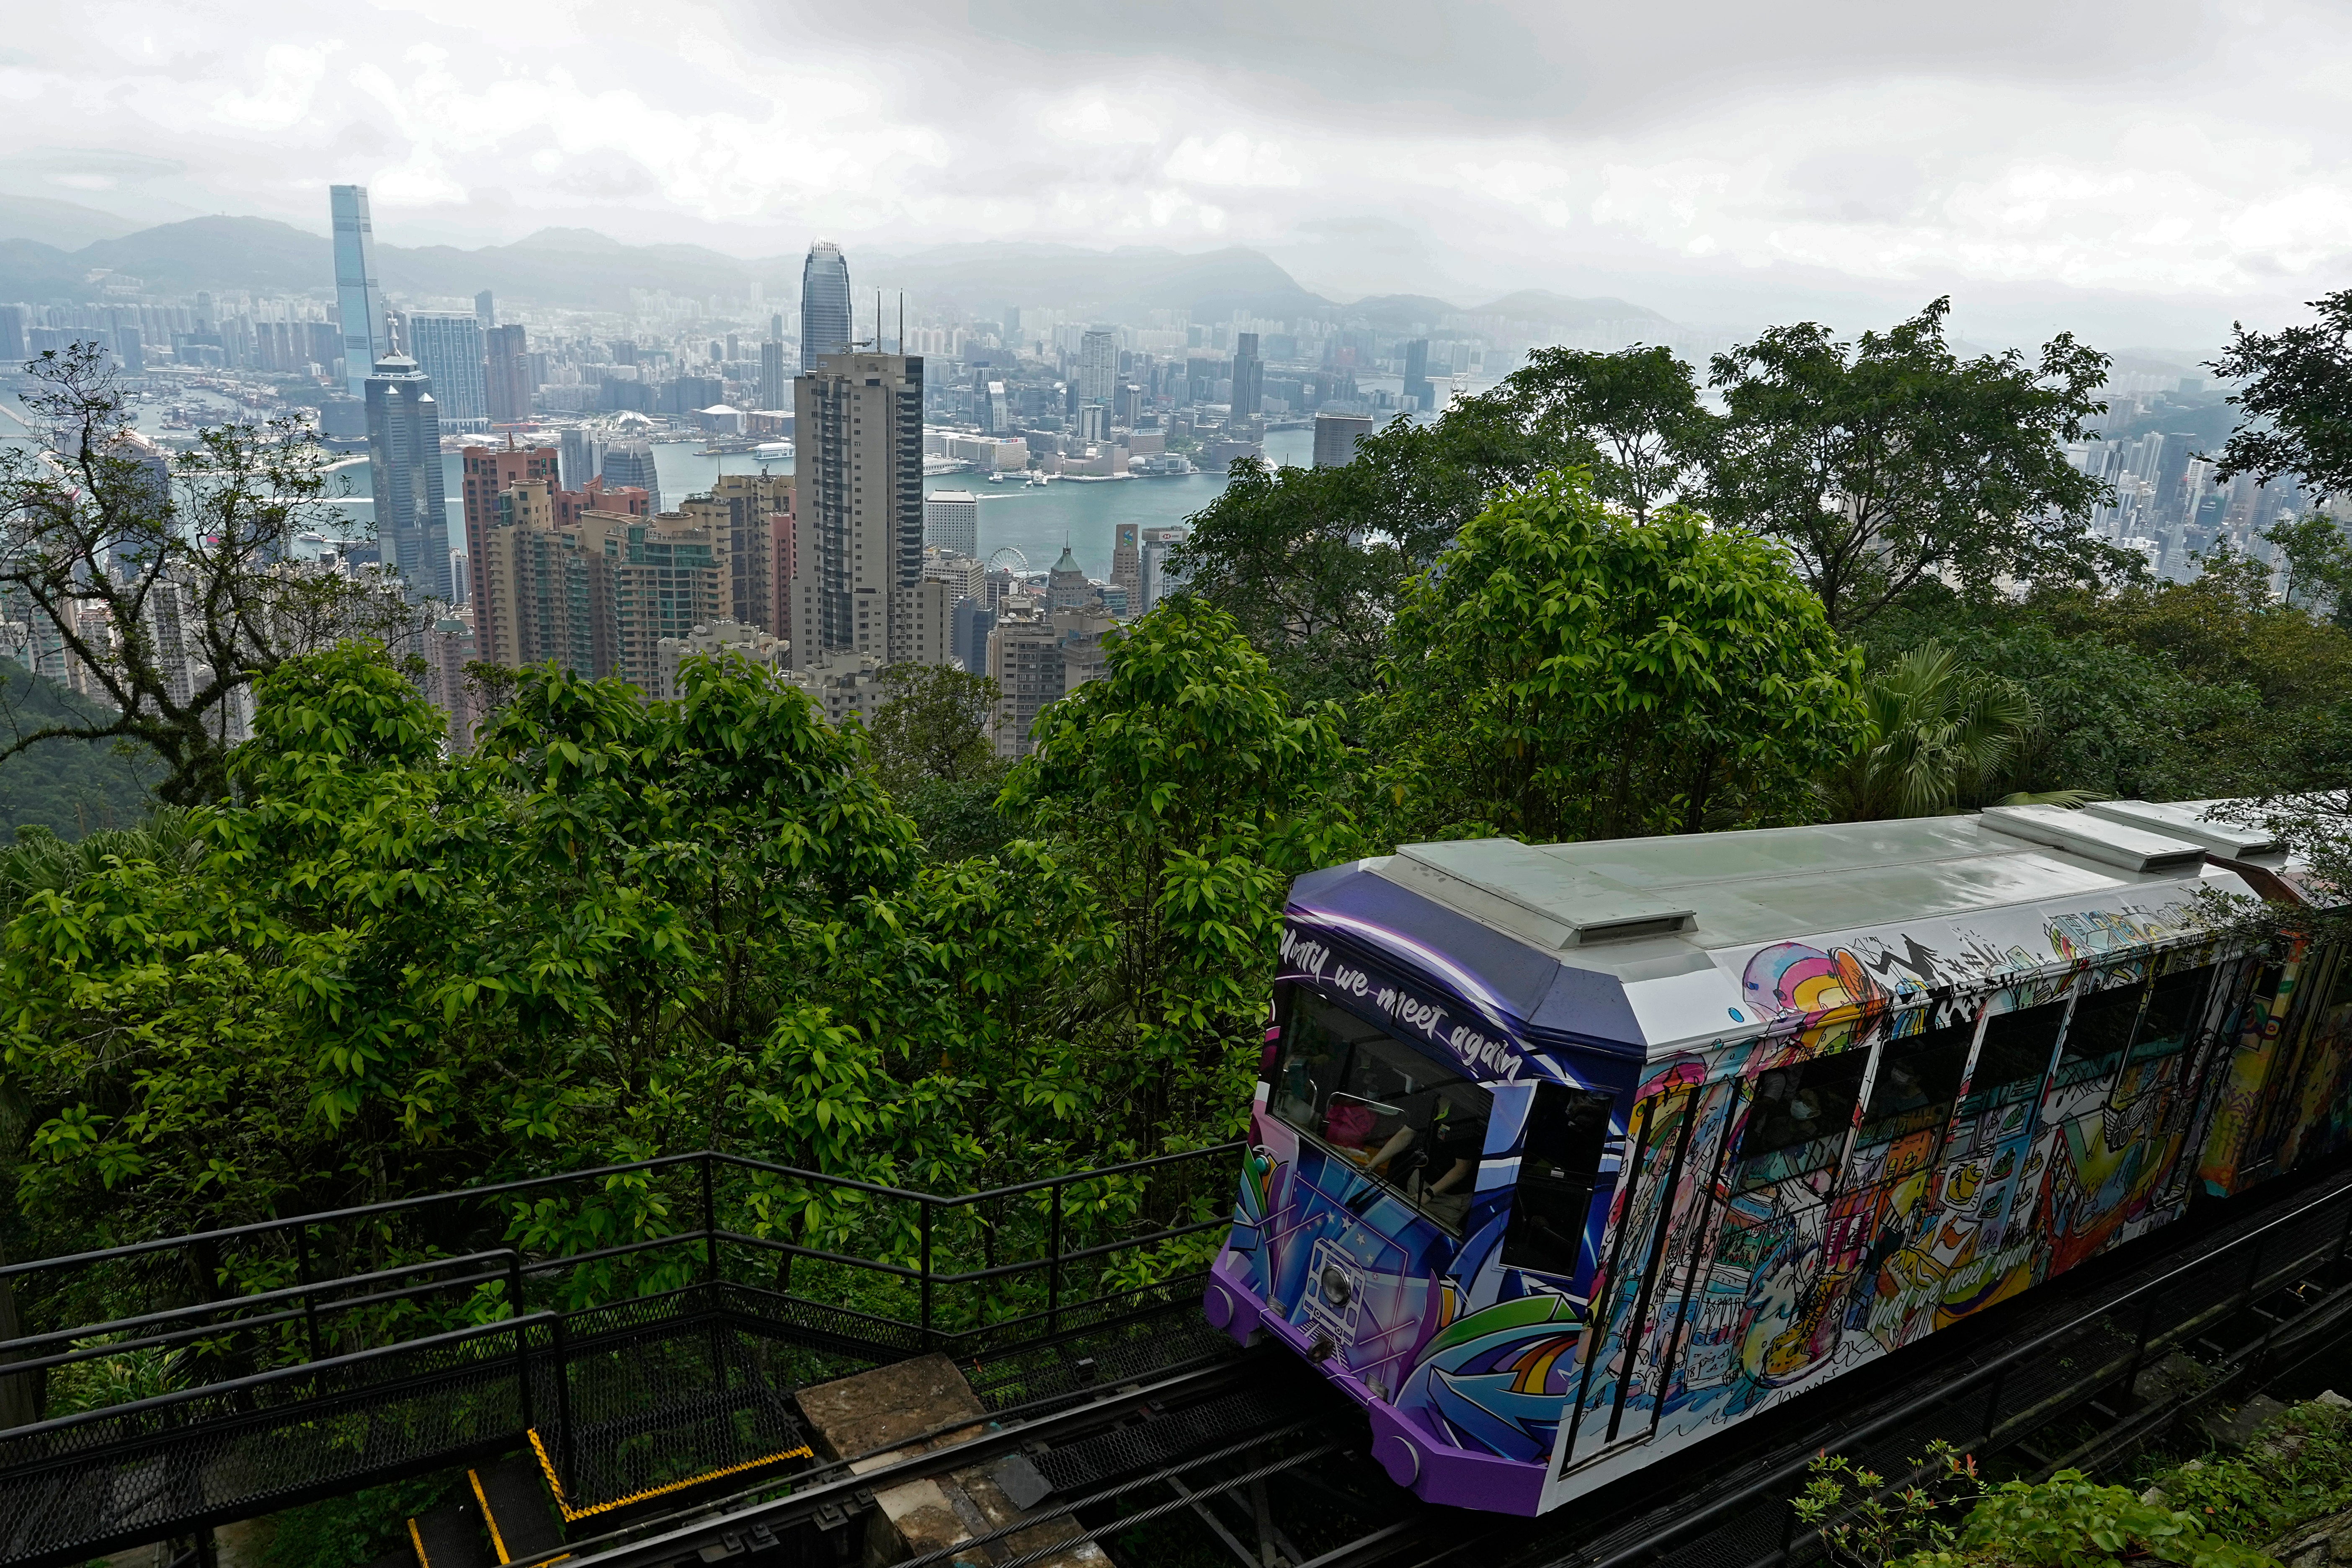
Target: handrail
661 1162
275 1374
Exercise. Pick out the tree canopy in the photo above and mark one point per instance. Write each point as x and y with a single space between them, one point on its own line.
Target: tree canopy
1879 461
1580 674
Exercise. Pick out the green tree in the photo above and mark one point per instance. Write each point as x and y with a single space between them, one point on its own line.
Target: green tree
1881 461
1633 418
2294 399
1184 783
171 586
2318 558
1566 671
935 751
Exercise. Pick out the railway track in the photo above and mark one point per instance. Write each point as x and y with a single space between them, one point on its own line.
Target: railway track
1254 1455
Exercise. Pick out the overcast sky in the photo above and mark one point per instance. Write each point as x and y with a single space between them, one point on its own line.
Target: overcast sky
2142 174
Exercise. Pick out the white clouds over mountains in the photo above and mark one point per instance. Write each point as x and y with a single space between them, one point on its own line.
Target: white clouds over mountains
2148 171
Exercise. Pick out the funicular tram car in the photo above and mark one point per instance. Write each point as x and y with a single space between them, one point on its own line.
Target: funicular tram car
1567 1156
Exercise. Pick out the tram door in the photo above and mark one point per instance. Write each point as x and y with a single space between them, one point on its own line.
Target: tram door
1639 1320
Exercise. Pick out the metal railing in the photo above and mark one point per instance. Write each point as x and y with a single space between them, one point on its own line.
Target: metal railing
586 1314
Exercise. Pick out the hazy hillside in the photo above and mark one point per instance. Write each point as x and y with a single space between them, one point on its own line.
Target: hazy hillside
1557 310
70 787
580 269
1129 282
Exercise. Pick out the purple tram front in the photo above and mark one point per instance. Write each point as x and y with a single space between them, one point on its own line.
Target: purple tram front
1761 1106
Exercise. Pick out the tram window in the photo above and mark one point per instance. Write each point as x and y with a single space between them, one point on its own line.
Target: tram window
1798 1120
2014 1055
1918 1079
2172 1009
1381 1106
2098 1032
1559 1167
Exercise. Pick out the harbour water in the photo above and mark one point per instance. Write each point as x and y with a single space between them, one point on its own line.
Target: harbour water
1032 518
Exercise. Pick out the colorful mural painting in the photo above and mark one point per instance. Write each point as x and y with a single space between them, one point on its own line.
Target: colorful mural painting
1893 1130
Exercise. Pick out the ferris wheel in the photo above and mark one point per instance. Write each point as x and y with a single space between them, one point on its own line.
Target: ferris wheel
1010 559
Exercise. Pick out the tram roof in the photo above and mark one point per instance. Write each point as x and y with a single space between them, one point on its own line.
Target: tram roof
1724 889
1676 931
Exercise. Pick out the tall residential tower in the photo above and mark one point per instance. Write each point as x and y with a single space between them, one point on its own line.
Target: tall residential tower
858 423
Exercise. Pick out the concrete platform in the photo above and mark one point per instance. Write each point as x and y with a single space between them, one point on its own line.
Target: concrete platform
889 1409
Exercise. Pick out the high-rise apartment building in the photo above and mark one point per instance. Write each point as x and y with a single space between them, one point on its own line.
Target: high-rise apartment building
1416 375
489 473
631 463
506 377
593 591
858 419
448 350
1336 436
660 577
775 386
825 304
952 522
1126 564
1249 376
1158 579
485 310
740 510
359 299
412 519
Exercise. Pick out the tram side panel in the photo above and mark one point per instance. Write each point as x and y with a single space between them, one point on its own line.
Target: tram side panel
2283 1088
1952 1157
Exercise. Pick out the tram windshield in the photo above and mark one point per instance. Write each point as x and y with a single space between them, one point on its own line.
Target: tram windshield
1381 1106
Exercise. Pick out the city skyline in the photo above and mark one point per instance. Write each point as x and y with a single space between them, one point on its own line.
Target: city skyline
2140 184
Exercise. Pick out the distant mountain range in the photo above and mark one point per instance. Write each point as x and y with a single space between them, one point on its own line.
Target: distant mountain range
583 269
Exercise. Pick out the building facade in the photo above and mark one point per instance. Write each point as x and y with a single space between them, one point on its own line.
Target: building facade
859 463
507 378
359 298
1126 564
1249 376
448 350
411 517
631 463
1336 436
825 304
952 522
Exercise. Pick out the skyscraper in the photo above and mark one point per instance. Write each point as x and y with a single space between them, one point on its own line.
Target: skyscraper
1126 564
485 310
775 386
632 463
1249 376
412 515
1097 369
1416 373
507 378
825 304
1336 436
359 301
859 551
448 350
